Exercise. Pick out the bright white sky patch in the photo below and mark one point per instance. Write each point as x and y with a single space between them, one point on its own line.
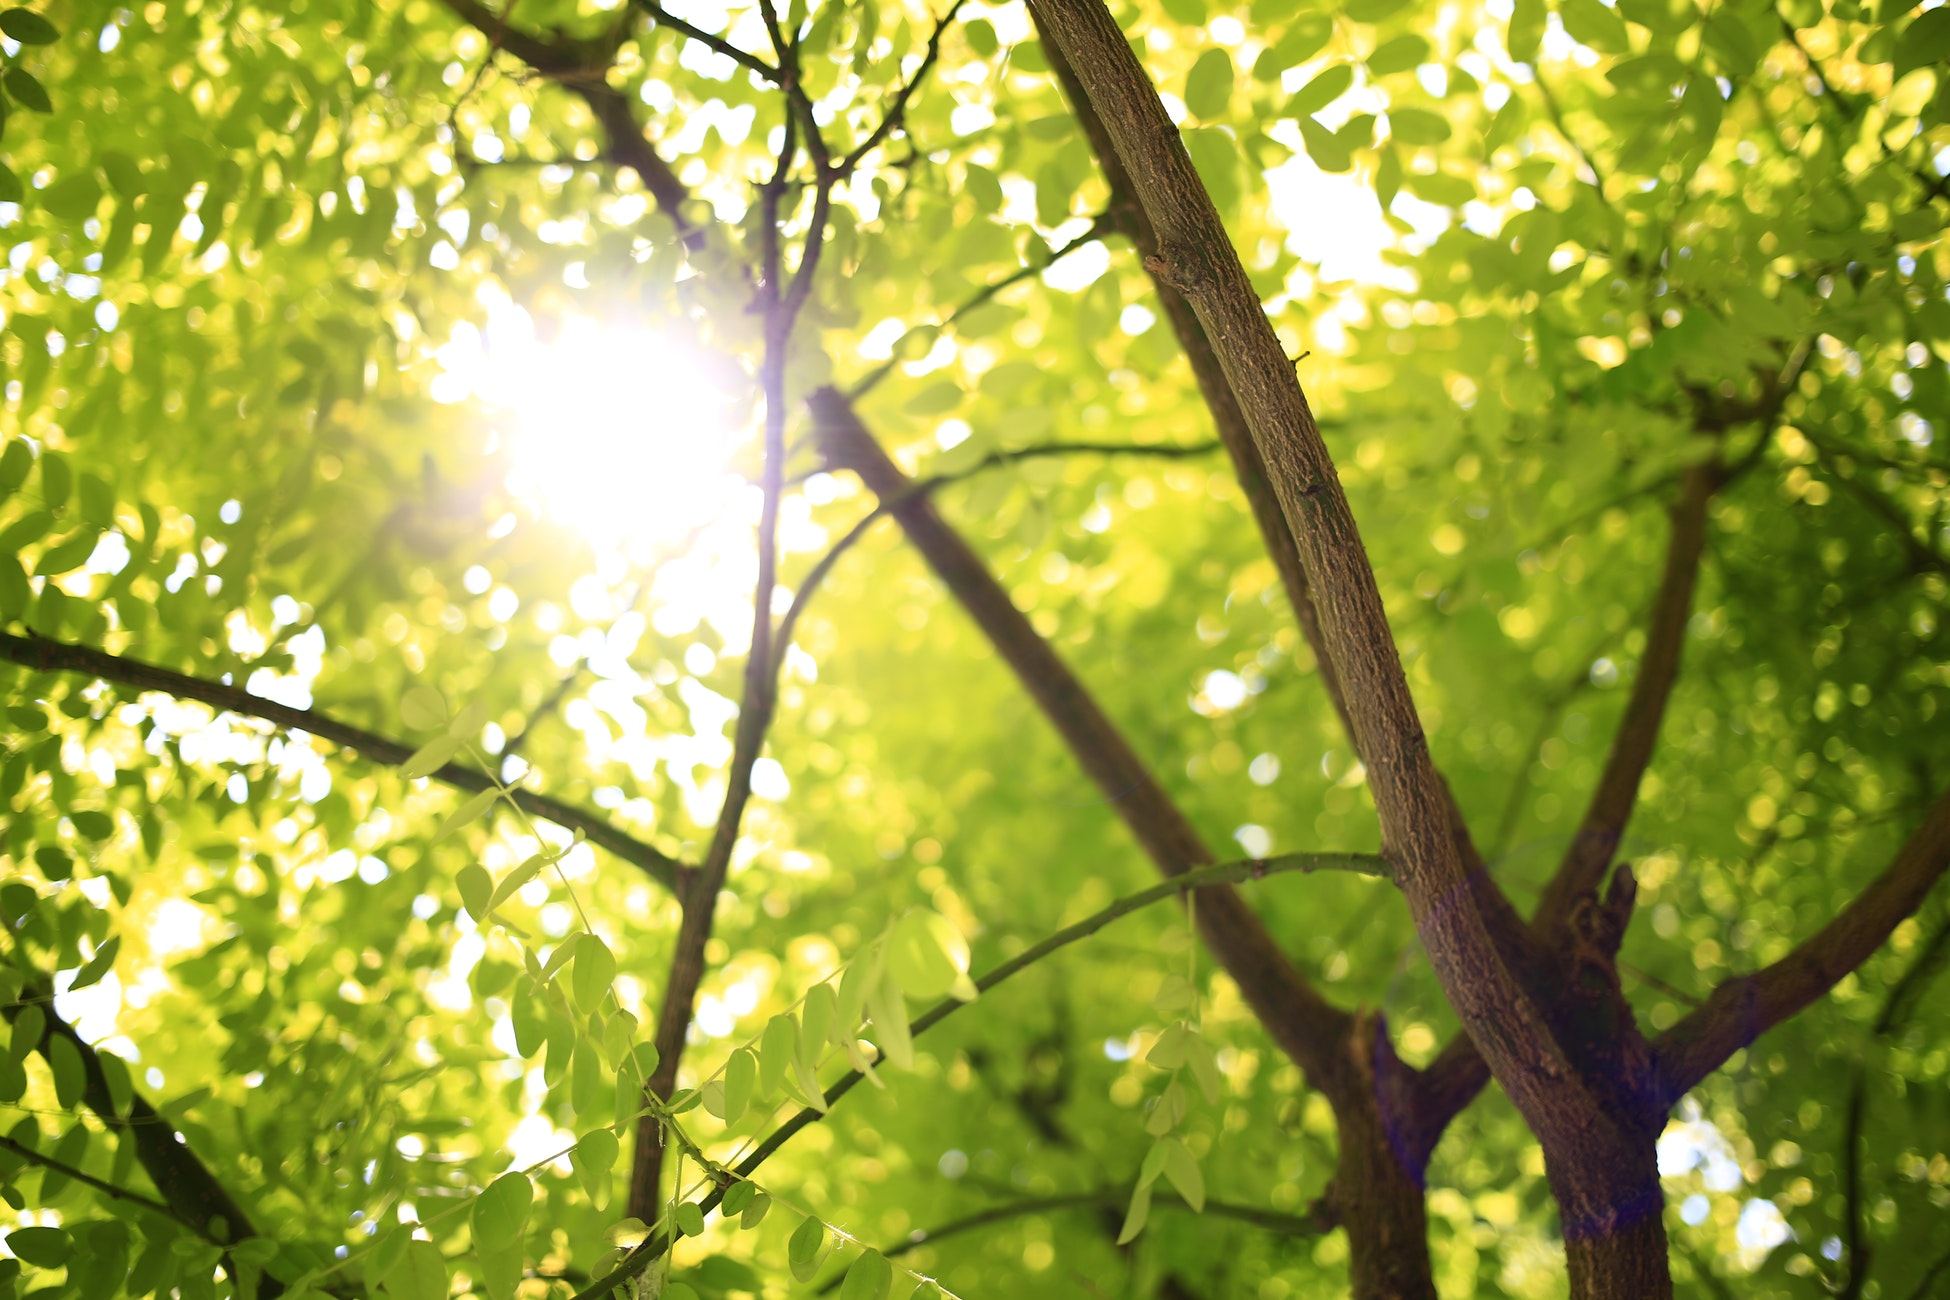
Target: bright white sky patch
616 431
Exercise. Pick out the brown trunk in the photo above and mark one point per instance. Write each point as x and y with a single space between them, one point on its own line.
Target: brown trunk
1614 1222
1625 1261
1377 1187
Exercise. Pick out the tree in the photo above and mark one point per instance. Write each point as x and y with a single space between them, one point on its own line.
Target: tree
381 870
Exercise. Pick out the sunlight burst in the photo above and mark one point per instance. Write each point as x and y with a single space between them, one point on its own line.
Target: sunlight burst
620 433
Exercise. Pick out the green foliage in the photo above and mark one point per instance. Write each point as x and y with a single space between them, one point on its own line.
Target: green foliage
409 1027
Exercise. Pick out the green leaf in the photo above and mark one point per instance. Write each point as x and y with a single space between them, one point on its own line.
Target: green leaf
519 876
73 198
1328 85
67 556
1172 1047
1181 1167
467 814
500 1212
115 1074
595 969
925 954
594 1158
1134 1218
420 1274
424 709
97 966
689 1218
41 1247
889 1011
70 1076
1398 55
28 27
1526 30
26 90
1208 86
776 1048
476 888
737 1197
1437 187
755 1212
868 1278
92 823
30 1026
740 1073
807 1247
1590 23
430 758
1926 40
1417 126
1191 13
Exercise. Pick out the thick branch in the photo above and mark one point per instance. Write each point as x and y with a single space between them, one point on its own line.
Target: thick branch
1306 1025
1247 464
1747 1006
43 655
1195 256
1617 793
1208 880
192 1194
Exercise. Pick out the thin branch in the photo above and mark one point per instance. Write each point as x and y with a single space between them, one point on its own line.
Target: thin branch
744 59
1102 225
1205 879
1292 1225
1617 792
1747 1006
44 655
106 1188
922 487
896 115
780 306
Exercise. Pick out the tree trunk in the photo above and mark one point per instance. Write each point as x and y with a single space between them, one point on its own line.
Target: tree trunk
1382 1210
1614 1221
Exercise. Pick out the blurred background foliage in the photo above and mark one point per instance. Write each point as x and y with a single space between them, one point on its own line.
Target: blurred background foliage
307 390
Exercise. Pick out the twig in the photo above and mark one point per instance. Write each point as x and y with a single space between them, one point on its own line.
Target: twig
896 115
744 59
1101 226
923 487
31 1156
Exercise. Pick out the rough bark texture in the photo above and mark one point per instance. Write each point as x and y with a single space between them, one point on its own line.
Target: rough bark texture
1197 258
1349 1058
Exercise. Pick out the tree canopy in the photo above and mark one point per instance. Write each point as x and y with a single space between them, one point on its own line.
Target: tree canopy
1172 649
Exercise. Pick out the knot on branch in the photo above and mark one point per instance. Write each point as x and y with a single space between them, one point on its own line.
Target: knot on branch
1181 268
